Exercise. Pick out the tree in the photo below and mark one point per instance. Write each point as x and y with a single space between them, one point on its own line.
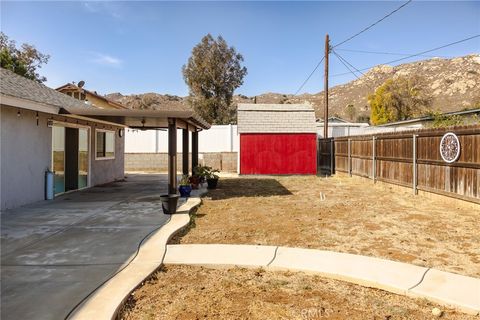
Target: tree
398 99
24 61
212 73
350 111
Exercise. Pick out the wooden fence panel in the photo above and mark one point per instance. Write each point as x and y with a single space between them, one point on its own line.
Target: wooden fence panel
341 155
396 159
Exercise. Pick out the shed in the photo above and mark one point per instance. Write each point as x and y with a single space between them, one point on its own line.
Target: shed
277 139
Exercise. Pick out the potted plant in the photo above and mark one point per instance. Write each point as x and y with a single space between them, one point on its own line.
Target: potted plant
169 203
185 187
212 177
195 178
200 172
194 181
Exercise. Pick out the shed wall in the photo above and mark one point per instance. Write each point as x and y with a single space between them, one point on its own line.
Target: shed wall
281 153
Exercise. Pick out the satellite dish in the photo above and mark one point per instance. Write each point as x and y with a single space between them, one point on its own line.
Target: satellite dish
81 84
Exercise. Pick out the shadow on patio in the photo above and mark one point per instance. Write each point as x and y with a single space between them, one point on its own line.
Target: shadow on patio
248 187
54 253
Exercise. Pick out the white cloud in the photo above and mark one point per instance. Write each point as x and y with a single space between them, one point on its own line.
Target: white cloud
107 60
103 7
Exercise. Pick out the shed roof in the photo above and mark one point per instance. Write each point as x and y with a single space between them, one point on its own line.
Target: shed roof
16 86
276 118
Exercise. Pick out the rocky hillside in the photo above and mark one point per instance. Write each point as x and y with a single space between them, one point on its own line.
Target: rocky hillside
147 101
454 85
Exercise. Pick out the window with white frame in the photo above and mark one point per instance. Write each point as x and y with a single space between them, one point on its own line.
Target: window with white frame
105 144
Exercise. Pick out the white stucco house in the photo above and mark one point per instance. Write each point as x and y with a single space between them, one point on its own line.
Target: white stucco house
82 143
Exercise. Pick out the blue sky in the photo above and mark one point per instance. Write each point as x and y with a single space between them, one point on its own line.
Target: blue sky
136 47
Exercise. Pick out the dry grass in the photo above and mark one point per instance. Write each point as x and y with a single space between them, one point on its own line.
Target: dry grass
355 217
185 292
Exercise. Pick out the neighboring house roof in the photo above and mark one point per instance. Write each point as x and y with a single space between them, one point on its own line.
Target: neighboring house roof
430 118
334 119
18 91
275 118
73 87
15 86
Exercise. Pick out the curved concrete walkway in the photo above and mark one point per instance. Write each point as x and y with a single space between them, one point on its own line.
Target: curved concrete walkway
448 289
106 301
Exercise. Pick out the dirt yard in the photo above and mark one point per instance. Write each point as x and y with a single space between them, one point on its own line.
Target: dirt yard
185 292
355 217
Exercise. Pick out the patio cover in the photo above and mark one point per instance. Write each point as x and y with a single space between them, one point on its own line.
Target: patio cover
144 119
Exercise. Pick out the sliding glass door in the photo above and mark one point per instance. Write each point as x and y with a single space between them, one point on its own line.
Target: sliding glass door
70 158
82 158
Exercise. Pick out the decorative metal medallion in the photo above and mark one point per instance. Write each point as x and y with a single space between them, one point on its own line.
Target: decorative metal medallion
450 147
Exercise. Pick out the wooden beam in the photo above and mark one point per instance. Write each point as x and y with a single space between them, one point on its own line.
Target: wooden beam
182 124
194 149
172 155
185 151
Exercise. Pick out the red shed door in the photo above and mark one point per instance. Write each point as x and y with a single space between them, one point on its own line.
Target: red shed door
283 153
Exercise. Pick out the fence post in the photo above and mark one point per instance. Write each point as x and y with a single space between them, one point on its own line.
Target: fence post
414 164
349 159
332 156
373 160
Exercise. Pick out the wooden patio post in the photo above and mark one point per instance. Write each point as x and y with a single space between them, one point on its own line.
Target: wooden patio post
194 149
172 155
185 151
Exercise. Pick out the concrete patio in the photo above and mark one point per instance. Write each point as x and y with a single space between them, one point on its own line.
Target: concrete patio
54 253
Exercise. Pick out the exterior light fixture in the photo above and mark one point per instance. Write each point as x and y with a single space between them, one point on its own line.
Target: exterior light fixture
36 117
18 113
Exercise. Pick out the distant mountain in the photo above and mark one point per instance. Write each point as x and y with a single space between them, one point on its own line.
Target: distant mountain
453 83
147 101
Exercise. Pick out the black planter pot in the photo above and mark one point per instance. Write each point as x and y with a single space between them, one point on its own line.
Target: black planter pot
212 183
169 203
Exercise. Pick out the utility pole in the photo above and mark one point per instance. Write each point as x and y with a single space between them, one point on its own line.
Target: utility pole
325 115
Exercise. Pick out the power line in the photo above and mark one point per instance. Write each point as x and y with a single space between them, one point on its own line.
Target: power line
373 24
346 66
309 76
415 55
345 60
383 53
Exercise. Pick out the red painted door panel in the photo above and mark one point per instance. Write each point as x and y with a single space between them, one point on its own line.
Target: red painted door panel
278 153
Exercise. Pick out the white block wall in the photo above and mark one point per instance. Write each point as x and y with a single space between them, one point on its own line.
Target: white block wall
223 138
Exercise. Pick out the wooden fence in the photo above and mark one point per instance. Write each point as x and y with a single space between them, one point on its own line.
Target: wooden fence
412 159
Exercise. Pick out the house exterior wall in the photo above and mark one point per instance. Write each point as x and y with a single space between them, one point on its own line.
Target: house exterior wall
282 153
104 171
97 102
25 155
